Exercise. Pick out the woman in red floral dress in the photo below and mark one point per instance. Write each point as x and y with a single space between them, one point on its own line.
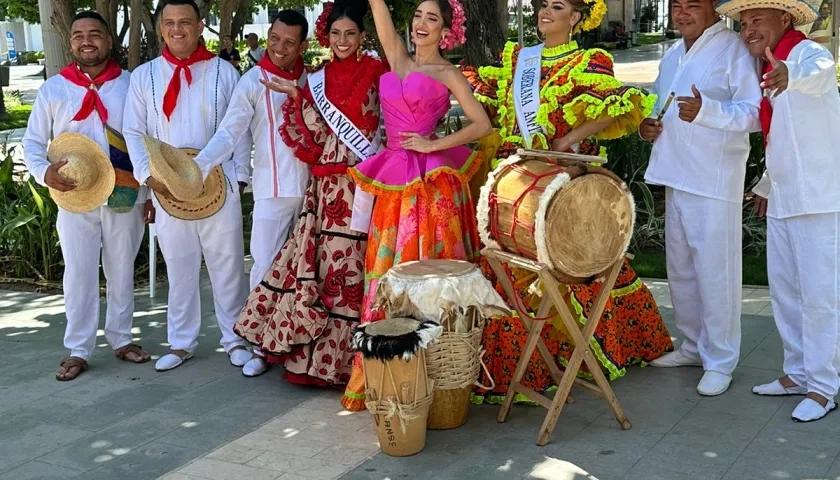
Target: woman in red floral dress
303 313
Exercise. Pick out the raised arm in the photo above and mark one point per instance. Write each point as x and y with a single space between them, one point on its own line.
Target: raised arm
392 43
740 112
234 126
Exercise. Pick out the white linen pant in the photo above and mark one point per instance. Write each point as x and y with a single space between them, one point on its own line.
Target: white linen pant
803 264
703 257
182 243
84 237
272 222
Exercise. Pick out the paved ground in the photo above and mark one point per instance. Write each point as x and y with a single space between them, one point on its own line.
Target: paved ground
205 421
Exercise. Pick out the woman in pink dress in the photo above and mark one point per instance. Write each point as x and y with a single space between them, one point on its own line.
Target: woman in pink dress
420 182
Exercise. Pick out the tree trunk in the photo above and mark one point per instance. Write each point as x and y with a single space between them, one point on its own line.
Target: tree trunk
243 11
55 28
487 30
226 8
126 23
151 26
670 20
135 34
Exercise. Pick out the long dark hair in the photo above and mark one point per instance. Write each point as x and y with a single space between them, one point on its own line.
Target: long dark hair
355 10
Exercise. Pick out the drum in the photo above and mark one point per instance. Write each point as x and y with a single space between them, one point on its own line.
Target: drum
575 218
398 391
456 295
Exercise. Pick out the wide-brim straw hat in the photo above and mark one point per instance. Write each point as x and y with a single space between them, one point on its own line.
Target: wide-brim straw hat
801 12
88 166
210 200
173 167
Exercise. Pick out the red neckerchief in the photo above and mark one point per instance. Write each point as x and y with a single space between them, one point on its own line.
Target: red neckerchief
273 69
91 102
790 39
170 98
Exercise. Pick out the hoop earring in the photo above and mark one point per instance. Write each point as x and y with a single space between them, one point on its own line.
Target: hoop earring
359 54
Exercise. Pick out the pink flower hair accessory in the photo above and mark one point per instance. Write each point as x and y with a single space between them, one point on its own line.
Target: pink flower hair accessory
458 32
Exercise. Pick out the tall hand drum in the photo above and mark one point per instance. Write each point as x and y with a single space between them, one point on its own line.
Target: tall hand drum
456 295
560 211
398 391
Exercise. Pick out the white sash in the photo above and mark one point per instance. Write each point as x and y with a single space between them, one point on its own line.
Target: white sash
352 138
526 91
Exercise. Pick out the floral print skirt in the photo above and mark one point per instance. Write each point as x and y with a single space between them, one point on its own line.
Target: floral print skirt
431 219
303 313
631 331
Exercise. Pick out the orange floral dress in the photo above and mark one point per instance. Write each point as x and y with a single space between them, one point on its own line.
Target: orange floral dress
576 86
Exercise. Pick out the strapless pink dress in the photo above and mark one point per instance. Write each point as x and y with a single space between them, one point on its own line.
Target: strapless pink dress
423 208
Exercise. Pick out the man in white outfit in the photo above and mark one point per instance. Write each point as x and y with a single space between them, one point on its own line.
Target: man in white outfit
800 119
180 98
86 97
700 154
279 178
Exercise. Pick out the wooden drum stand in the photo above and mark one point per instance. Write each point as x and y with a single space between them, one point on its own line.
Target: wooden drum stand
580 336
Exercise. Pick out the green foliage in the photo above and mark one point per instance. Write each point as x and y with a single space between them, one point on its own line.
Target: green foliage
29 248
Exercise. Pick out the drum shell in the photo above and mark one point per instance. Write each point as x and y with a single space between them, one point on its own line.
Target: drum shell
412 384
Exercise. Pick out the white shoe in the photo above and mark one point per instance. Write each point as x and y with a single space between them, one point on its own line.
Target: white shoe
677 358
713 383
809 410
775 388
170 361
255 367
239 356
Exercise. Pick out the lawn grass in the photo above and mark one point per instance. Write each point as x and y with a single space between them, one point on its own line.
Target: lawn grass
651 264
15 117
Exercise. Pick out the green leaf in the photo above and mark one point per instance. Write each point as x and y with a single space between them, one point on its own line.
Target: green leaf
38 200
17 223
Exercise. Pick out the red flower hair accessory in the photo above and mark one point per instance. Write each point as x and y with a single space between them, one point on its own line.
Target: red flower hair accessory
321 25
458 33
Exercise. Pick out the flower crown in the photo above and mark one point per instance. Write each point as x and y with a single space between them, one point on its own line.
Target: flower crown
321 32
458 32
591 16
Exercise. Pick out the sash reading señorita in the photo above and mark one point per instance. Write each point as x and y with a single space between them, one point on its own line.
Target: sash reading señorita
526 92
352 138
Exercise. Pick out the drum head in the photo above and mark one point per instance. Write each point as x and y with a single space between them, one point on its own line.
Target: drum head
392 327
432 268
589 225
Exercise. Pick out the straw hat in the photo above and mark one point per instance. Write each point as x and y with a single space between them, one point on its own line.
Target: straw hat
88 166
801 12
173 167
209 201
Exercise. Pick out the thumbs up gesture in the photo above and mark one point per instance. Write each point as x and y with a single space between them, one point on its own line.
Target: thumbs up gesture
776 80
690 106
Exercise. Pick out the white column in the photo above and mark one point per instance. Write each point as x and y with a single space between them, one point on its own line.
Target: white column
54 51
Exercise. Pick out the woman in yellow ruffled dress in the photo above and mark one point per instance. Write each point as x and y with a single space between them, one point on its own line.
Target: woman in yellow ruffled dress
567 104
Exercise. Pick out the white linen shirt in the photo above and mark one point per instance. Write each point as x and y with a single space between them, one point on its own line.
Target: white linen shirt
56 104
254 108
707 157
200 108
803 161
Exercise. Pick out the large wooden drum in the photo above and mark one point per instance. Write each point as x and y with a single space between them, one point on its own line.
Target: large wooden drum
573 217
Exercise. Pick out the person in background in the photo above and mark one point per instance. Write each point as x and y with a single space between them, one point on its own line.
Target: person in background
229 53
255 50
700 150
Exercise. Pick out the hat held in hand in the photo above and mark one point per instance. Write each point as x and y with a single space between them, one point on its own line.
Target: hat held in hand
178 171
88 167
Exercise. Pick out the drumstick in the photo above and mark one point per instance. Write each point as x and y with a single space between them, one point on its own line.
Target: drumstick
575 157
665 107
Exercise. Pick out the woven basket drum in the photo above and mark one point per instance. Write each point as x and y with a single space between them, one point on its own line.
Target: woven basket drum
453 362
574 218
397 387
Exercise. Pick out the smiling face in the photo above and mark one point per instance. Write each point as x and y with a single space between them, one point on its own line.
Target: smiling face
345 38
181 29
557 18
693 17
762 28
90 42
285 45
428 27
